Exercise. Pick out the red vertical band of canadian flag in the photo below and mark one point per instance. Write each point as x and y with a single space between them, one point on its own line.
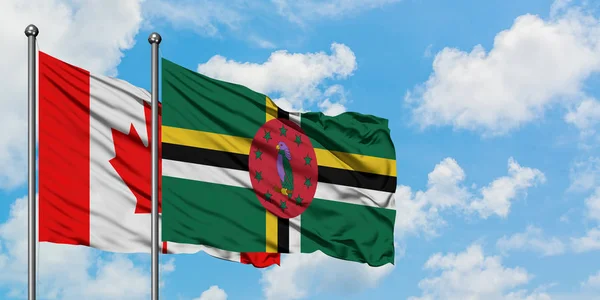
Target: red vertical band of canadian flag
94 165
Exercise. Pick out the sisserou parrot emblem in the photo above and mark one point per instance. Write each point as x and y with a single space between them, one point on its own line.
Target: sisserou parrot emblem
283 168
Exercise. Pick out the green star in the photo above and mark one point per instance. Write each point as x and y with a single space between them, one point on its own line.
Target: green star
298 141
307 160
283 130
283 205
258 154
258 176
299 200
267 135
307 182
268 196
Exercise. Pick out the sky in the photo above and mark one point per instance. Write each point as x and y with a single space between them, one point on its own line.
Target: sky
494 108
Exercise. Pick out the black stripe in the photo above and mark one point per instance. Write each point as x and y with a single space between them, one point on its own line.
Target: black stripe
283 235
240 162
283 225
357 179
205 156
282 114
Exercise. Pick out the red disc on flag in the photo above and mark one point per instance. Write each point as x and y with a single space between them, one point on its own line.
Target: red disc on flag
283 168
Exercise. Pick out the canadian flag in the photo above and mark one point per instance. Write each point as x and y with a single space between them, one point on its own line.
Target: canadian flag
95 165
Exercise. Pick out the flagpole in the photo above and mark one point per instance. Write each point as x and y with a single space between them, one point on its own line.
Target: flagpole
154 40
31 32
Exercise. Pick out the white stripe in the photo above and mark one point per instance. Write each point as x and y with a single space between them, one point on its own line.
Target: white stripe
294 235
295 117
295 223
354 195
325 191
197 172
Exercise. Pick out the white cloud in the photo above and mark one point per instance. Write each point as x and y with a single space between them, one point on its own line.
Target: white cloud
88 276
524 295
109 283
589 242
165 269
585 175
202 16
301 275
331 109
214 18
445 191
213 293
533 240
287 105
472 275
296 77
68 30
427 53
420 212
585 178
585 117
168 267
498 195
443 184
332 106
593 282
415 214
301 11
559 6
261 42
592 204
532 65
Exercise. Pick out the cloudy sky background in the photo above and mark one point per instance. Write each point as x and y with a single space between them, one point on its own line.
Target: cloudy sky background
494 111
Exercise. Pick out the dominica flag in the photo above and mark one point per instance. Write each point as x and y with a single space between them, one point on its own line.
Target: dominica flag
241 174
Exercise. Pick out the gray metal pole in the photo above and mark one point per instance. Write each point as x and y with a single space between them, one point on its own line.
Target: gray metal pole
31 32
154 40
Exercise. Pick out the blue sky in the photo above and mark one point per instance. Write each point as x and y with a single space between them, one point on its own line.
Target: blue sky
493 109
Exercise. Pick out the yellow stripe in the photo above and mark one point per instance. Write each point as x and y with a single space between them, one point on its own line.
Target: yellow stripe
206 140
270 218
356 162
271 109
271 232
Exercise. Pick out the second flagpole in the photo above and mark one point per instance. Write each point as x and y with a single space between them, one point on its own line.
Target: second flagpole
31 32
154 39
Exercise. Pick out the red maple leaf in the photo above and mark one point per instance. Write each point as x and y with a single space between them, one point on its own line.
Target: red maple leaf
133 162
